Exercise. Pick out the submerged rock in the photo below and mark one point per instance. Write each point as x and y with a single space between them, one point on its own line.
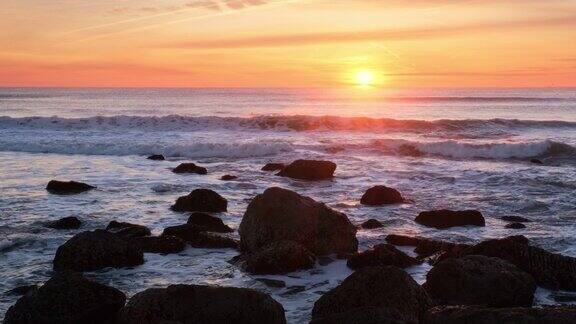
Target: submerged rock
228 177
95 250
279 258
201 200
536 161
273 167
156 157
479 280
515 219
164 244
128 229
381 195
209 223
190 168
482 315
448 218
381 255
67 187
424 246
196 237
283 215
371 224
68 298
65 223
309 170
202 304
515 226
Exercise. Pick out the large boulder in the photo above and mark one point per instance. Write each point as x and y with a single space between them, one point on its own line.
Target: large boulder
381 255
209 223
279 258
67 187
67 298
387 288
202 304
309 170
201 200
128 229
482 315
190 168
479 280
164 244
445 218
71 222
381 195
363 315
95 250
198 238
283 215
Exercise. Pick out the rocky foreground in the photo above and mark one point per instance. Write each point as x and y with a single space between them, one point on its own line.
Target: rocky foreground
282 231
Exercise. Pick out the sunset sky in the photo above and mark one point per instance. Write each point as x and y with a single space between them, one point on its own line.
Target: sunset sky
288 43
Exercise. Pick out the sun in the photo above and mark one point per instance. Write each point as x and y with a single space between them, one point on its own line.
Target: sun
364 78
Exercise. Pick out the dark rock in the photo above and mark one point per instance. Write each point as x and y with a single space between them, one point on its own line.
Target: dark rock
189 168
196 237
515 219
448 218
516 226
381 195
209 223
67 187
67 298
279 258
273 167
273 283
65 223
309 170
21 290
409 150
95 250
381 287
156 157
424 246
201 200
228 177
202 304
381 255
283 215
364 315
371 224
164 244
481 315
480 280
128 229
536 161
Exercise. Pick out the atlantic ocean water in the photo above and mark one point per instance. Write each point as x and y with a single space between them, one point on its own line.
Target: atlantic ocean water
450 148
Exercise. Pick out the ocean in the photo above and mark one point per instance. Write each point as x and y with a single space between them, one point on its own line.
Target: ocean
449 148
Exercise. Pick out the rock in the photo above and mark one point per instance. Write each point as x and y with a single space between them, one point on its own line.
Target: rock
516 226
283 215
381 255
279 258
21 290
65 223
196 237
273 283
381 195
165 244
201 200
228 177
387 288
209 223
479 280
363 315
536 161
67 187
128 229
68 298
425 247
481 315
371 224
202 304
410 150
309 170
95 250
189 168
448 218
273 167
156 157
515 219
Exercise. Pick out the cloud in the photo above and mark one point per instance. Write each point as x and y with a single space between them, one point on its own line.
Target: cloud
213 5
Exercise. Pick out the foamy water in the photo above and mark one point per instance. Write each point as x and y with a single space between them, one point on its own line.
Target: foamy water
442 149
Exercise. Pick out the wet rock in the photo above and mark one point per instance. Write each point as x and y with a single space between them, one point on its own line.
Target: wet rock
371 224
273 283
381 195
21 290
190 168
67 187
279 258
128 229
273 167
409 150
209 223
202 304
515 219
363 315
95 250
65 223
196 237
156 157
68 298
164 244
381 255
283 215
480 280
424 246
201 200
228 177
309 170
387 288
536 161
448 218
515 226
481 315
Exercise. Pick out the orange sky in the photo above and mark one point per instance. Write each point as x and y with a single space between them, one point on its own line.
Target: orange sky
287 43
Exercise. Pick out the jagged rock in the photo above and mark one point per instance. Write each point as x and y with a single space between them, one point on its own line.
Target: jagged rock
371 224
381 195
65 223
128 229
67 187
228 177
201 200
165 244
381 255
448 218
209 223
196 237
273 167
279 258
481 315
156 157
309 170
189 168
